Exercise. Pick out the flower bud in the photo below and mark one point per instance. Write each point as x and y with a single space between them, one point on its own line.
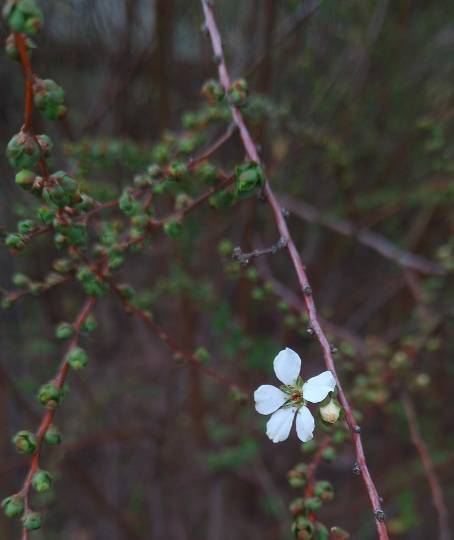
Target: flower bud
238 93
297 477
21 280
52 435
31 520
26 226
46 145
248 177
178 170
25 442
23 16
329 454
303 528
77 358
25 179
42 481
13 506
45 214
62 266
297 506
173 228
321 532
16 241
312 504
49 395
90 324
49 97
23 151
128 204
213 92
202 355
64 330
331 411
324 490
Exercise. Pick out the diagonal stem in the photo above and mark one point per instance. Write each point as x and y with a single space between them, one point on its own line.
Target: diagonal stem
281 224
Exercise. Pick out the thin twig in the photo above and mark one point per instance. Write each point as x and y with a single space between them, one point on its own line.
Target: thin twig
245 258
48 417
368 238
189 357
426 460
281 224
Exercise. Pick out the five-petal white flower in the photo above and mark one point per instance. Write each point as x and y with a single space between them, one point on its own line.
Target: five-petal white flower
290 399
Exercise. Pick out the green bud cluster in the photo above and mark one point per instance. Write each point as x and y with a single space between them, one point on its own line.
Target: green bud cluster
91 282
64 330
49 395
52 437
173 228
25 442
31 520
42 481
23 151
238 93
49 98
16 241
77 358
249 177
213 91
128 204
13 506
61 190
23 16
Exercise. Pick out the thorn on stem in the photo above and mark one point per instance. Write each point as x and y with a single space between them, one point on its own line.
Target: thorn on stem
380 515
356 469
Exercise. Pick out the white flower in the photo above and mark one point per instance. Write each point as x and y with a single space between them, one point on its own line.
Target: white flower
290 399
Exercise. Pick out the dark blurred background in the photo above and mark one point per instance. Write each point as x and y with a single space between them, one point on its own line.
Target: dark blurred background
352 104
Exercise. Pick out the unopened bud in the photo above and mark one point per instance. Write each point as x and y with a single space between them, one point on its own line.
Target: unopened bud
331 411
52 435
77 358
42 481
49 395
25 442
13 506
31 520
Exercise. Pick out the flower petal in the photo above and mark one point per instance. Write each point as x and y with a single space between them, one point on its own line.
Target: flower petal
287 366
304 424
317 388
280 423
268 399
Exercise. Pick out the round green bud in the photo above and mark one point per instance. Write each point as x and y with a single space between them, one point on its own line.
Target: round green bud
213 91
248 178
21 280
31 520
42 481
303 528
321 532
64 330
49 395
25 179
62 266
297 506
13 506
312 504
25 442
160 153
77 358
16 241
23 16
202 355
324 490
173 229
23 151
238 93
128 204
45 214
90 324
178 170
329 454
26 226
86 203
49 97
52 435
154 171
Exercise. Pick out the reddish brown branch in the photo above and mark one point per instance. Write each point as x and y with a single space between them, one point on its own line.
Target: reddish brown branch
28 74
281 224
214 147
59 381
426 460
